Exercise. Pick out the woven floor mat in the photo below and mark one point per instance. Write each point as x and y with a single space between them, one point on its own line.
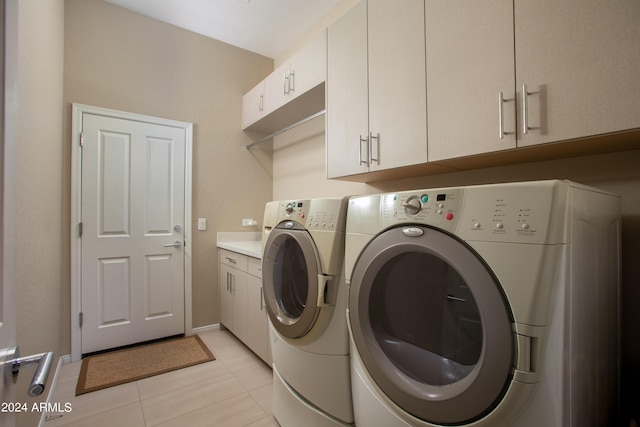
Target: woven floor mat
132 364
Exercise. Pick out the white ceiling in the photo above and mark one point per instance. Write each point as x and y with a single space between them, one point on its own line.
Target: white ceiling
266 27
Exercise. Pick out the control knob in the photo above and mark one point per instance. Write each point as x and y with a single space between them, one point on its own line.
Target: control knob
289 208
412 206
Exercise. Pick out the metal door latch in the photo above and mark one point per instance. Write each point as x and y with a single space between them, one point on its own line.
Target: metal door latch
13 362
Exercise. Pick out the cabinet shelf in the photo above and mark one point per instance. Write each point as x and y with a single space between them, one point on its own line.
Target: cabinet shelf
288 128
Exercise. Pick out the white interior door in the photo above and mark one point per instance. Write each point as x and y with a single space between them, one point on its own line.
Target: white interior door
132 232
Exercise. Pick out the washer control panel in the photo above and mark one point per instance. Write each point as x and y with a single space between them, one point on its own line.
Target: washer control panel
314 214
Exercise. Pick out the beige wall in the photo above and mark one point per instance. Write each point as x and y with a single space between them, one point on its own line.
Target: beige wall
340 9
118 59
41 247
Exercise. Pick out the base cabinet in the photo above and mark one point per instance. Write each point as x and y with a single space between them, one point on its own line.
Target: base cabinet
242 308
257 318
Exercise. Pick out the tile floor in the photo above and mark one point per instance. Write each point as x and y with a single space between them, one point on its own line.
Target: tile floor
233 390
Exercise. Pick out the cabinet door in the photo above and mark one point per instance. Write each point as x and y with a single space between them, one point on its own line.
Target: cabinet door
276 88
308 66
253 105
347 98
397 84
258 333
225 296
579 60
240 309
470 62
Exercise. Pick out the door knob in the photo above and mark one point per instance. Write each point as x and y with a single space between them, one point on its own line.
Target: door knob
175 244
13 362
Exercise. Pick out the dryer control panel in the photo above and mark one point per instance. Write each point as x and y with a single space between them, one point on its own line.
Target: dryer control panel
527 212
313 214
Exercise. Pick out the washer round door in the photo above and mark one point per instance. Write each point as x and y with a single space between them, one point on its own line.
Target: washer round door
290 269
431 325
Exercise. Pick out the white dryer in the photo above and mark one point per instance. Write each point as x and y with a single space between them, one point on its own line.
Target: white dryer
492 305
305 296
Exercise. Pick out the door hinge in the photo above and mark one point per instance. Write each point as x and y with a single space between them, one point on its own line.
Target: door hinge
81 139
80 318
79 229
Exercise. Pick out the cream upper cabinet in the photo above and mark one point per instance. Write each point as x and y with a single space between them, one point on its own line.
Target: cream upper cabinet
253 105
470 77
573 74
376 88
579 61
347 116
302 72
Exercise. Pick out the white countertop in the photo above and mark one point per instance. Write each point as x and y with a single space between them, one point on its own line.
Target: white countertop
243 242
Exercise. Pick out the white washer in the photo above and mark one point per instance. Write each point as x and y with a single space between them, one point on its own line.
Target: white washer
492 305
305 296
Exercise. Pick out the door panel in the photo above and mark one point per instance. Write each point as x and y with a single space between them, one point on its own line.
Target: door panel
133 202
114 184
114 291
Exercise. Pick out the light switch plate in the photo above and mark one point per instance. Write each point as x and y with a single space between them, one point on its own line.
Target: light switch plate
202 224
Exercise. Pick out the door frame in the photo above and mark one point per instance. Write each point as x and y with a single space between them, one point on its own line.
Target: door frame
76 209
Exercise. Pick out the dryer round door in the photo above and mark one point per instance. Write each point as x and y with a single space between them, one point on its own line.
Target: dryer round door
431 325
290 269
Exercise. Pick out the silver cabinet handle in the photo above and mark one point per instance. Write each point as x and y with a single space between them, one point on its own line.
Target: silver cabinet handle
500 115
366 162
13 363
377 138
292 81
231 260
501 101
261 103
285 85
228 281
525 110
175 244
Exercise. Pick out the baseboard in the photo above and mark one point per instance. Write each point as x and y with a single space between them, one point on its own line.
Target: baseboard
204 329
